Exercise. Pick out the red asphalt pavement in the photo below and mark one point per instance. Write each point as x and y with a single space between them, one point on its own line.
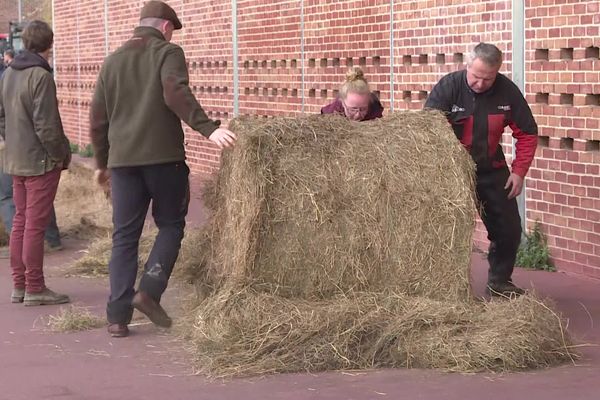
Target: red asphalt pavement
151 363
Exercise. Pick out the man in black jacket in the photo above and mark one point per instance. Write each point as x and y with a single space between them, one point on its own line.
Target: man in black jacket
480 102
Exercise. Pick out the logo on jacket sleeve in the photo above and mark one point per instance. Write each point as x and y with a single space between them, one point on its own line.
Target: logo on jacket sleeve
456 108
504 108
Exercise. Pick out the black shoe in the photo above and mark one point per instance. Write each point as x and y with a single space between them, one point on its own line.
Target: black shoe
118 330
505 289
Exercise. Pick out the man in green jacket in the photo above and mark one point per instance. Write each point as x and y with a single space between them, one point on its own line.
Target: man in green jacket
7 205
141 96
36 150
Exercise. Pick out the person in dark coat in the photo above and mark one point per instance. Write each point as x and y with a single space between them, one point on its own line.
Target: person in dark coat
36 151
141 96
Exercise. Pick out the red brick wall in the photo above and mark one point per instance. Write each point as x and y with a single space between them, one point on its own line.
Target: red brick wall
30 9
36 9
431 42
430 39
563 88
8 12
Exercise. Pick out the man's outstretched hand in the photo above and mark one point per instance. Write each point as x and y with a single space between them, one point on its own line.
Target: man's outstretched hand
223 138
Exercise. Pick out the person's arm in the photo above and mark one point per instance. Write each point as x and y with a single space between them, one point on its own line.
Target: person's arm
46 119
376 108
2 114
441 96
178 96
99 125
524 130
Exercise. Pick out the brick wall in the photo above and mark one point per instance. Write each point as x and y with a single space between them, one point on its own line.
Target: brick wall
8 12
30 9
292 55
563 88
36 9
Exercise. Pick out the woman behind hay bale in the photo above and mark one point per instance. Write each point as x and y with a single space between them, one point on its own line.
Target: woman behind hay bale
314 207
355 101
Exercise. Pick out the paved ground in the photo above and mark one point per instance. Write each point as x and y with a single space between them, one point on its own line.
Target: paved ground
150 364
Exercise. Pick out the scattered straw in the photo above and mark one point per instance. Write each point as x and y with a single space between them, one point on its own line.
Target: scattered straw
3 235
74 319
82 209
244 332
95 261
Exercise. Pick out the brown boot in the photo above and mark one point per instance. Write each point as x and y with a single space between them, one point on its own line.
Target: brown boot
17 295
506 289
47 297
146 305
118 330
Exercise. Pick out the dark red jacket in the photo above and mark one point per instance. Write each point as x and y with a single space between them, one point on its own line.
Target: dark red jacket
479 119
336 107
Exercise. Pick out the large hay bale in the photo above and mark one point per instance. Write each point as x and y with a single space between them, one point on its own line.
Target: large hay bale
315 207
342 245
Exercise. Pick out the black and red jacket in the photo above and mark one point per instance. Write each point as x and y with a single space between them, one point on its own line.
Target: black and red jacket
479 119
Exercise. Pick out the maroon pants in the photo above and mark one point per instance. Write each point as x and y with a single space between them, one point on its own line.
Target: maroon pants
33 197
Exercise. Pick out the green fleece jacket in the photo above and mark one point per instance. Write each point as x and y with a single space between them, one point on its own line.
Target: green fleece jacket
141 96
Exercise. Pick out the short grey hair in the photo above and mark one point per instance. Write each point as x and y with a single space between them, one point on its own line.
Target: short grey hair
486 52
153 22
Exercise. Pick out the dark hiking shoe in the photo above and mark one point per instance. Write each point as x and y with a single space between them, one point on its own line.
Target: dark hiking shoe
47 297
52 248
17 295
4 253
118 330
147 306
506 289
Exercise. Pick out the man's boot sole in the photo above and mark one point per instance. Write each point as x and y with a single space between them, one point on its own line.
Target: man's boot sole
507 295
17 300
30 303
156 320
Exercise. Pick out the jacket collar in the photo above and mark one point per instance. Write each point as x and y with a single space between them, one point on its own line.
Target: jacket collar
26 59
144 31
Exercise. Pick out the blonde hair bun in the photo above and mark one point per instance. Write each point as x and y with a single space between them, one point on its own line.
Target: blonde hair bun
355 74
355 83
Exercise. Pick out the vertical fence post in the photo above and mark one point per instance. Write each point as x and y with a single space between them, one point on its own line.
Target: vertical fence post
236 77
392 58
518 76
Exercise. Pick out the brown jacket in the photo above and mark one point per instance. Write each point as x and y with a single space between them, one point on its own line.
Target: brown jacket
141 96
32 134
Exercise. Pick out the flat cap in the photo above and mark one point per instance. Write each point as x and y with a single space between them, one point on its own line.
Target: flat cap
159 9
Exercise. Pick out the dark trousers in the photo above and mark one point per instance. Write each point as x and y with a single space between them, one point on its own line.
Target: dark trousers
167 185
500 216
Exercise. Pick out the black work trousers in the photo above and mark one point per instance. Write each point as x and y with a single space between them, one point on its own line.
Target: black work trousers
167 186
500 216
